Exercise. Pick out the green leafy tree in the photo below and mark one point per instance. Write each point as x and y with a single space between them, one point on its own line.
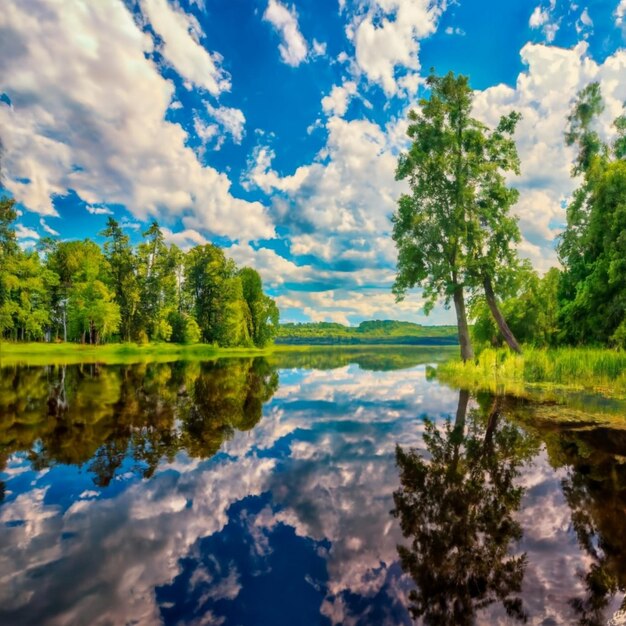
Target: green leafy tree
123 277
453 227
216 294
530 307
8 250
263 312
93 315
592 248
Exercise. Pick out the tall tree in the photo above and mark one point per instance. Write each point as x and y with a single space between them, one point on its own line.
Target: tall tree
93 315
123 277
263 312
592 248
158 286
8 251
451 227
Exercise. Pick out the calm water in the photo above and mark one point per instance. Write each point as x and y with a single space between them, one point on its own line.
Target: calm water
256 493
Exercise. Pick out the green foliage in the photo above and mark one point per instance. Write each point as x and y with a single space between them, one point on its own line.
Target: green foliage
501 371
263 312
75 291
531 310
592 249
375 331
453 230
93 315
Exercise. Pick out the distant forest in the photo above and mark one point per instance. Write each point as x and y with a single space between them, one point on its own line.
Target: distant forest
371 332
81 292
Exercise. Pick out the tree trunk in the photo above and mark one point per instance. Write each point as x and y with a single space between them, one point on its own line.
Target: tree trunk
459 426
492 422
503 327
467 353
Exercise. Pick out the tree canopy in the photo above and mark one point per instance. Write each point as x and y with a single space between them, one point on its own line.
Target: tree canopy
77 291
453 230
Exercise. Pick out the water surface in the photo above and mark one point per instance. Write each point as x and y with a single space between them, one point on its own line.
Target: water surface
311 489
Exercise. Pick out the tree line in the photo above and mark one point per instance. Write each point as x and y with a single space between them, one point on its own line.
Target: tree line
78 291
457 240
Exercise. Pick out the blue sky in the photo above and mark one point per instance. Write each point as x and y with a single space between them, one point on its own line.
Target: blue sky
273 128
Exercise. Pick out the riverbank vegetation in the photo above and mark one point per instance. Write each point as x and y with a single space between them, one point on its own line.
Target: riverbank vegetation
502 371
379 357
457 240
76 291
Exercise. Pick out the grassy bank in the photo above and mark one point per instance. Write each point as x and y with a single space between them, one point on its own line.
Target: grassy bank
119 353
66 353
501 371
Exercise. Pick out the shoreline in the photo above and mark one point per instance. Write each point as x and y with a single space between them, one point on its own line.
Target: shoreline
34 353
539 370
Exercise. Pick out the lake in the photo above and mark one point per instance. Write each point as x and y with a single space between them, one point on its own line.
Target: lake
339 487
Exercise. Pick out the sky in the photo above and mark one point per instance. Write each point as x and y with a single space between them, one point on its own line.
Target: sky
273 128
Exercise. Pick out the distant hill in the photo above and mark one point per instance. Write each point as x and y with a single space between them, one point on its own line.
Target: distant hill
372 332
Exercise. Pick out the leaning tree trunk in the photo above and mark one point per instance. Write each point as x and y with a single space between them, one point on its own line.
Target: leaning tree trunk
505 331
467 353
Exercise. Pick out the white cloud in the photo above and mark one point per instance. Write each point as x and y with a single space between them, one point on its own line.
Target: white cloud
584 24
47 228
544 94
450 30
23 232
293 47
126 223
347 305
98 210
336 103
230 119
319 48
538 18
92 119
386 38
350 189
543 17
205 132
620 13
181 34
184 239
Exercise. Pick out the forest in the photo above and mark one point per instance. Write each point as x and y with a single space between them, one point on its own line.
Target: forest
369 332
457 239
77 291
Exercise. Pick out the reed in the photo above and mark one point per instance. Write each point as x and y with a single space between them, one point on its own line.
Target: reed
500 370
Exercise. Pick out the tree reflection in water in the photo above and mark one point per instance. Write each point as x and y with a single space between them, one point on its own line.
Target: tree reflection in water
595 491
102 416
456 505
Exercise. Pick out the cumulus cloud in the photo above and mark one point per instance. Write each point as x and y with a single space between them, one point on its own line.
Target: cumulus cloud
544 93
181 47
348 306
293 47
386 38
92 117
230 119
184 239
336 102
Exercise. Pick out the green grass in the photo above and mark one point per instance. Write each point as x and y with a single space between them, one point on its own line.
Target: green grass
120 353
588 369
66 353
